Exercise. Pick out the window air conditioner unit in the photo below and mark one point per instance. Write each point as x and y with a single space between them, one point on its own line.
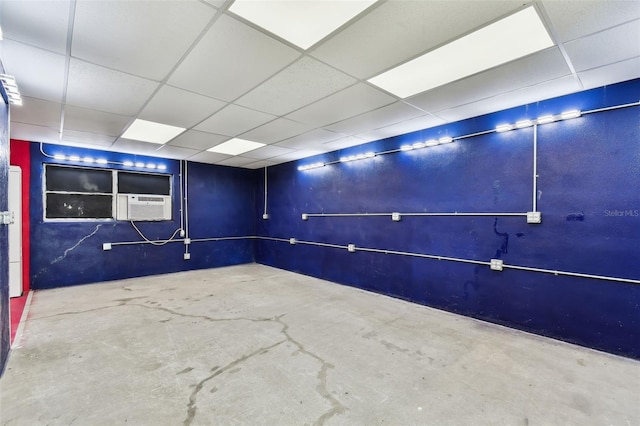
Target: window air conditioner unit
143 207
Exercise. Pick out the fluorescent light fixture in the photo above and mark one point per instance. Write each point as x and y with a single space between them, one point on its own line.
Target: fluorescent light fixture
88 160
235 146
370 154
406 147
101 161
419 145
162 167
149 131
570 114
310 166
128 163
546 119
445 139
302 23
431 142
523 123
513 37
504 128
139 164
74 158
59 157
151 166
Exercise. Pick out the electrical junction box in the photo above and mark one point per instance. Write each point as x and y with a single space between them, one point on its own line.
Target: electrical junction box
395 216
265 216
187 256
106 246
351 248
187 241
304 216
534 217
292 241
496 264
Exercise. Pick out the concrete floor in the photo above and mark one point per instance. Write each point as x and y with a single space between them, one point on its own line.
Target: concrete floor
255 345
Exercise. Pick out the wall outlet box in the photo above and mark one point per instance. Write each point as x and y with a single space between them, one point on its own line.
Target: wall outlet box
187 241
534 217
182 234
106 246
496 264
265 216
395 216
292 241
351 248
304 216
187 256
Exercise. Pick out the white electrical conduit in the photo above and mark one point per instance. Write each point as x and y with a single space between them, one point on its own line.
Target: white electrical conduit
181 199
186 207
398 253
411 214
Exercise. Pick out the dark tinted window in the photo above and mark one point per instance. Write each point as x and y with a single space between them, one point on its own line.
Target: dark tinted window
138 183
79 206
71 179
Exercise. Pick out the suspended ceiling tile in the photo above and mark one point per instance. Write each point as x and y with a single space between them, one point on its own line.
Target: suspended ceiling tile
197 140
33 133
175 152
347 142
92 121
397 31
144 38
296 155
231 59
43 24
216 3
609 74
312 138
134 147
208 157
575 19
39 73
546 90
234 120
178 107
380 117
94 87
605 47
236 161
300 84
86 139
533 69
415 124
347 103
261 164
267 152
38 112
276 131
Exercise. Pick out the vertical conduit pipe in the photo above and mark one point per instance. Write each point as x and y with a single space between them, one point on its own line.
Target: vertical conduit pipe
265 192
182 231
186 203
535 167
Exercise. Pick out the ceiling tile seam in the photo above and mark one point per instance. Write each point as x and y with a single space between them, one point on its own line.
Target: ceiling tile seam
67 63
610 64
186 53
33 46
604 30
451 40
507 93
346 25
546 21
368 112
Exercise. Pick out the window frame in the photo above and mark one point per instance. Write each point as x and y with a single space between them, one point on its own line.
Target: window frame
113 194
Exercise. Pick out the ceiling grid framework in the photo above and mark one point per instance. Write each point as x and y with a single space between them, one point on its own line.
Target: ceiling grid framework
88 69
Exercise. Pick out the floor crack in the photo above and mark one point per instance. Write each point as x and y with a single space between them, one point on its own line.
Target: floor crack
336 406
191 407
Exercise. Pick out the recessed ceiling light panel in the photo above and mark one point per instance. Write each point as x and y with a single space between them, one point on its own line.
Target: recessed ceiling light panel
149 131
513 37
302 23
235 146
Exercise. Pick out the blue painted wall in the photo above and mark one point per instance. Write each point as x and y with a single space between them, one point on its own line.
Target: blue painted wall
5 327
221 200
589 172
